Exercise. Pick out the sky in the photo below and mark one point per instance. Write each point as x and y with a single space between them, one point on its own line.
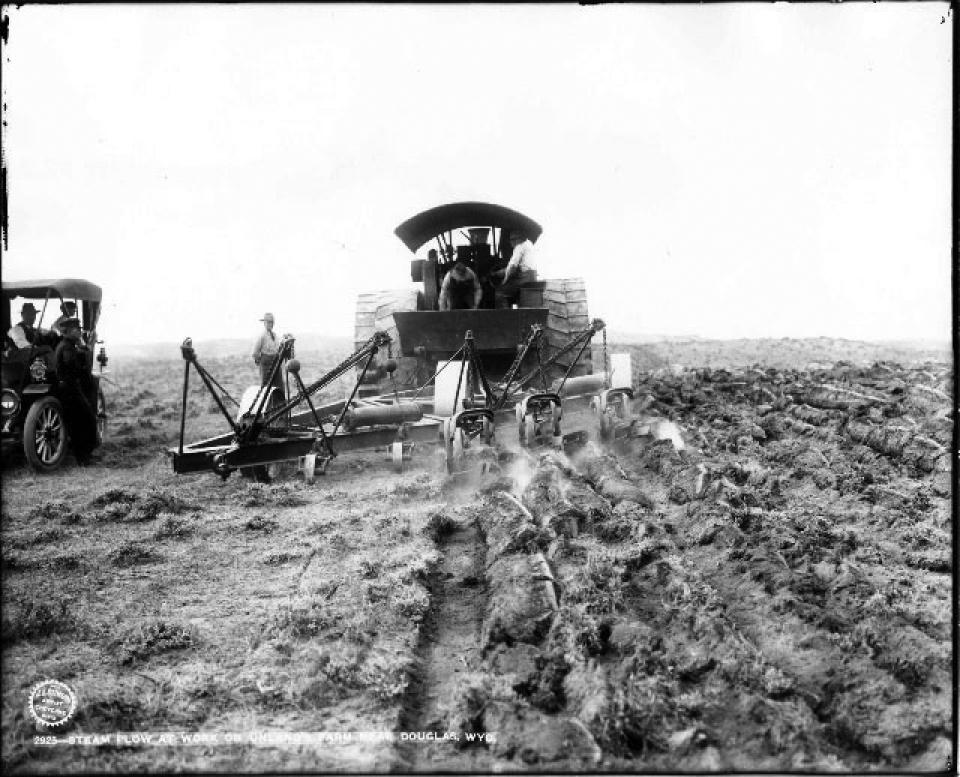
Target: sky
729 170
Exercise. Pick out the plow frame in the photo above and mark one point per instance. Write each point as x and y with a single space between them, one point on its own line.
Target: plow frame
273 433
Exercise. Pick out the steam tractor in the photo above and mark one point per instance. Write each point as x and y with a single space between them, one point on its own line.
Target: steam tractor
475 233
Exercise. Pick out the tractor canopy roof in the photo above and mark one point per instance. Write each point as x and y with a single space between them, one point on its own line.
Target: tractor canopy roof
416 231
73 288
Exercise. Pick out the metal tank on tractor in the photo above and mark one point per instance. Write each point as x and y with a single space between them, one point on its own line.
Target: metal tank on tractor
422 335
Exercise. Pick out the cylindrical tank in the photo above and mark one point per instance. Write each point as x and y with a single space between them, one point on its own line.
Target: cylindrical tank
583 384
373 415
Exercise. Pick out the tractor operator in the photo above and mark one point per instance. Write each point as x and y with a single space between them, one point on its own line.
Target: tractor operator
520 270
265 352
75 392
460 289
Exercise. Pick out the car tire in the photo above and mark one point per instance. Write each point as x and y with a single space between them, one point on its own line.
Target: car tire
45 435
101 416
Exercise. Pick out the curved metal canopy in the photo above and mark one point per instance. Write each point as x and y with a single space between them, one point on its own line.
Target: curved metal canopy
62 287
416 231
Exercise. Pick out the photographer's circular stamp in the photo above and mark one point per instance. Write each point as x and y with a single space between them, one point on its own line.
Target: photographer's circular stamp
51 703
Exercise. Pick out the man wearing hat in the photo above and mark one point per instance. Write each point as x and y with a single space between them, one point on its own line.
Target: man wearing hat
23 334
265 352
76 391
520 270
67 310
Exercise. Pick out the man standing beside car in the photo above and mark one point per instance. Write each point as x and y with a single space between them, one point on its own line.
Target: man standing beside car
75 390
265 351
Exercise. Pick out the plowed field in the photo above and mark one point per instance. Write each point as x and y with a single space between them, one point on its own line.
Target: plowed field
774 596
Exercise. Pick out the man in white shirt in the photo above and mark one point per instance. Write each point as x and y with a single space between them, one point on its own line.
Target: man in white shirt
265 352
24 334
520 270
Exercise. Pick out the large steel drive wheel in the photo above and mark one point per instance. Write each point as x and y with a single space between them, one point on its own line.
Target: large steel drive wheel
375 312
566 300
45 435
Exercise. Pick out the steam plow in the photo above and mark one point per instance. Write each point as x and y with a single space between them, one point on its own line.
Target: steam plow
457 409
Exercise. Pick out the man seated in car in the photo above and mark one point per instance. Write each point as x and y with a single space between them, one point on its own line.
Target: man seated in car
67 310
24 334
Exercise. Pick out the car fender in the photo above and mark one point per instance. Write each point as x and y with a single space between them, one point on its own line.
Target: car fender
33 390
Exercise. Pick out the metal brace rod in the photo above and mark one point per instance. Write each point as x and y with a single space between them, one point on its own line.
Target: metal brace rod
356 386
581 339
477 368
536 331
316 416
190 356
369 349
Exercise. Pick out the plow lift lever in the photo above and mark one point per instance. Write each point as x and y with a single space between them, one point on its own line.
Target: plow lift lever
190 357
536 333
583 340
367 351
467 423
246 448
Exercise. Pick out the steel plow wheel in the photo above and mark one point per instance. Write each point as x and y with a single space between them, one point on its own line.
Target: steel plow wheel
309 468
488 432
606 426
455 440
525 432
396 455
538 421
613 407
45 435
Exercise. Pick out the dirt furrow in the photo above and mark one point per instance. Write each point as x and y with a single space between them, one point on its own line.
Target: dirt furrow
448 651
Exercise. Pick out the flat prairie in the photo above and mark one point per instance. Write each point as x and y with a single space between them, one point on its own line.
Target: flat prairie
776 596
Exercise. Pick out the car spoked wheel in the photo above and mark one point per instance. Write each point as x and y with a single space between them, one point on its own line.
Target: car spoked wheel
45 434
101 416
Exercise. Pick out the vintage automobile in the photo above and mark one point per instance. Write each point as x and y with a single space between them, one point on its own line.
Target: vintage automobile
30 407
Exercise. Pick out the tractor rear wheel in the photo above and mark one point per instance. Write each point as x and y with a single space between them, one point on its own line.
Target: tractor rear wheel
566 301
375 312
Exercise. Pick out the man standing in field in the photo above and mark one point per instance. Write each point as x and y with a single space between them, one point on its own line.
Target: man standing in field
265 353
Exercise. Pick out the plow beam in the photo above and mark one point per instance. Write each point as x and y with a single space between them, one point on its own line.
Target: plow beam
376 415
583 384
223 458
